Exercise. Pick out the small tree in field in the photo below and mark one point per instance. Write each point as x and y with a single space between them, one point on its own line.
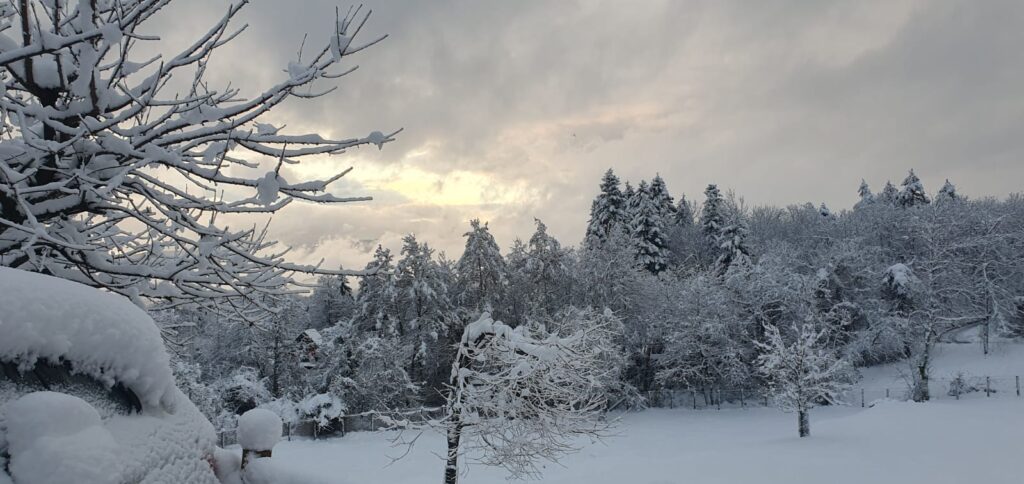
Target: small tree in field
803 373
515 397
111 178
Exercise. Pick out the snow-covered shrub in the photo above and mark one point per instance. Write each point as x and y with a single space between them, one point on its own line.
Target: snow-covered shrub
243 390
324 409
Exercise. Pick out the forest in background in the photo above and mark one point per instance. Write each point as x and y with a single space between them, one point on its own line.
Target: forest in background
694 294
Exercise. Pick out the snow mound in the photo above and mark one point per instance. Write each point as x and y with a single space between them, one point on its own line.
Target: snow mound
54 438
100 334
259 429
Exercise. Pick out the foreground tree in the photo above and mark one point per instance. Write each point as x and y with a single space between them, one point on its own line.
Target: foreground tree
803 373
515 397
110 179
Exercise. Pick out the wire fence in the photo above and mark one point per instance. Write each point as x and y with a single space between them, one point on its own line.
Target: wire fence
938 388
338 427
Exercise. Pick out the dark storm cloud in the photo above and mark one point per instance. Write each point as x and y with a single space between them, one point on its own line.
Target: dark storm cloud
531 101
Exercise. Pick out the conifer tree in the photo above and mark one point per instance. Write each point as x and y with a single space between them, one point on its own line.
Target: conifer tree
732 246
546 270
662 200
866 197
607 212
912 193
947 193
712 218
376 303
889 194
648 231
684 212
481 269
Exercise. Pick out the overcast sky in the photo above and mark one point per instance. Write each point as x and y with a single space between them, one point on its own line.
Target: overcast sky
513 109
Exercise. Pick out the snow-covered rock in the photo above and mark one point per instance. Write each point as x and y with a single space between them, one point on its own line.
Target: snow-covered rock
259 429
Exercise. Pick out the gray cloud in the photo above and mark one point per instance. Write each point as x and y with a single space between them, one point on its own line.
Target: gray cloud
527 103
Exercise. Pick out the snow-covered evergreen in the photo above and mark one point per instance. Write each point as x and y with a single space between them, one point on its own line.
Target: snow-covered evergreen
608 211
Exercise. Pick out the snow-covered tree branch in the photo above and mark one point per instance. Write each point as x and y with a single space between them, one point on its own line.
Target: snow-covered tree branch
518 396
111 178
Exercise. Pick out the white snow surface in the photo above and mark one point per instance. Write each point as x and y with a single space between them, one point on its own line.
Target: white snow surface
259 429
55 438
59 438
893 442
976 439
100 334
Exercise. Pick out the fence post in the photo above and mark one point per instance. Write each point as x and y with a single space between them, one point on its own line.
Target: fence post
861 398
765 399
988 387
718 403
694 394
886 393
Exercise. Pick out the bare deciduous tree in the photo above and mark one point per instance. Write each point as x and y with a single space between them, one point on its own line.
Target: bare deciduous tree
110 178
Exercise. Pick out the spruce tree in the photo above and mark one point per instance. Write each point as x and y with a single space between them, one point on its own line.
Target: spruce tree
947 193
866 197
546 270
662 200
684 212
376 303
607 212
712 218
648 231
481 269
912 193
732 246
889 194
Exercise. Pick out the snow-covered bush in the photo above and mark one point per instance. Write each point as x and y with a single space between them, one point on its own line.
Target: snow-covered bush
243 390
324 409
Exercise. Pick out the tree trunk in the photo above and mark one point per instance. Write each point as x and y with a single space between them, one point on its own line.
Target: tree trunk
921 393
451 468
803 423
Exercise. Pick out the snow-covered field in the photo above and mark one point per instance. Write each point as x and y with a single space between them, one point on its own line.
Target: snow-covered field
962 442
976 439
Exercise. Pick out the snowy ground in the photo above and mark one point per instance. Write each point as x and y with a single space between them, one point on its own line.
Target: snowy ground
976 439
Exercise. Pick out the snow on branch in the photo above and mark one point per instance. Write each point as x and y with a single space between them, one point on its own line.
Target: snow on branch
109 179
